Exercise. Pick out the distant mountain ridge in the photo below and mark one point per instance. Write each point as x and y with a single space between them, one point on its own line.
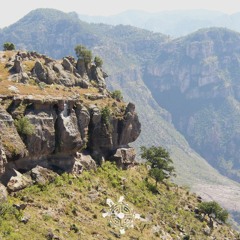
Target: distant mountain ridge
174 23
134 58
202 77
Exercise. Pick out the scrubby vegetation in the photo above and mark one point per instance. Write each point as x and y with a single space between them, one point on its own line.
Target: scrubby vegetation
24 127
213 210
98 61
160 162
86 55
71 207
83 53
117 94
8 46
106 113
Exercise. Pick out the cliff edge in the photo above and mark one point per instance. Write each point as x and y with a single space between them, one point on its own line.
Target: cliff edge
58 114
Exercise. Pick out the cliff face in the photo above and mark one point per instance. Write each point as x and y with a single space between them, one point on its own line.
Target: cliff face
66 117
196 79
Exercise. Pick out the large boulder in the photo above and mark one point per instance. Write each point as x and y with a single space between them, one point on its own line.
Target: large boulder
40 72
17 67
67 65
99 76
18 182
124 157
83 161
42 176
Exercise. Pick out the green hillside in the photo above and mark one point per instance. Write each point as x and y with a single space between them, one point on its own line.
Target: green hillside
72 207
144 66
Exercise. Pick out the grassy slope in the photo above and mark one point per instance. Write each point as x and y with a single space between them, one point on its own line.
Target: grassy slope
192 169
66 209
121 56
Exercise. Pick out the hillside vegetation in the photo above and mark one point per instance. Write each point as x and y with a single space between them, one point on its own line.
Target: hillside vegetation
155 72
71 207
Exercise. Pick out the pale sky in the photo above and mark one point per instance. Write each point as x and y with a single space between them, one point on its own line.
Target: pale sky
13 10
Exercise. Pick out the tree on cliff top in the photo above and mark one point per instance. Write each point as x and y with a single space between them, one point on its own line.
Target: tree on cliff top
98 61
160 162
8 46
83 53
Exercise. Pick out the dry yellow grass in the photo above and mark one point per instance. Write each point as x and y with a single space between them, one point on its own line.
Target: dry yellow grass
28 65
47 91
3 72
56 92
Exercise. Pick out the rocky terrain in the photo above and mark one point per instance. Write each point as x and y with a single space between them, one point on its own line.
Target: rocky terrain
134 58
202 76
62 102
72 206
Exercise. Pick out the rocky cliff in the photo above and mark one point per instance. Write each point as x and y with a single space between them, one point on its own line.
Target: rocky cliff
196 79
131 56
52 111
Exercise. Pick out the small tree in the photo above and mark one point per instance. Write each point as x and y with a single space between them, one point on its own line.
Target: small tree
160 162
98 61
83 53
8 46
214 211
117 95
106 113
24 127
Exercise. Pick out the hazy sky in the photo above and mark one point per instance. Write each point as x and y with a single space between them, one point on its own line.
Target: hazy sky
13 10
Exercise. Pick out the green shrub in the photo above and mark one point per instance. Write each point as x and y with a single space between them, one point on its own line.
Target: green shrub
117 94
8 46
98 61
213 210
24 127
106 113
42 85
83 53
160 162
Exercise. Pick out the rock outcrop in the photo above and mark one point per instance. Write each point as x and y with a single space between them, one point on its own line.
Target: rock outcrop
62 126
124 157
3 159
18 181
42 175
60 130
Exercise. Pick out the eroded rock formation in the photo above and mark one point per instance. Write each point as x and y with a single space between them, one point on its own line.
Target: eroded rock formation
63 126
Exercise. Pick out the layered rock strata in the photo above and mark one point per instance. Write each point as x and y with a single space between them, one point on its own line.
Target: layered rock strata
62 127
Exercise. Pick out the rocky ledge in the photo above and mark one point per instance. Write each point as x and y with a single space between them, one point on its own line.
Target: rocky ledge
66 129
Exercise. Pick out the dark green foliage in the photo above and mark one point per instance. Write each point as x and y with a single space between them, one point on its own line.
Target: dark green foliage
24 127
160 162
83 53
157 174
117 94
106 113
8 46
213 210
98 61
